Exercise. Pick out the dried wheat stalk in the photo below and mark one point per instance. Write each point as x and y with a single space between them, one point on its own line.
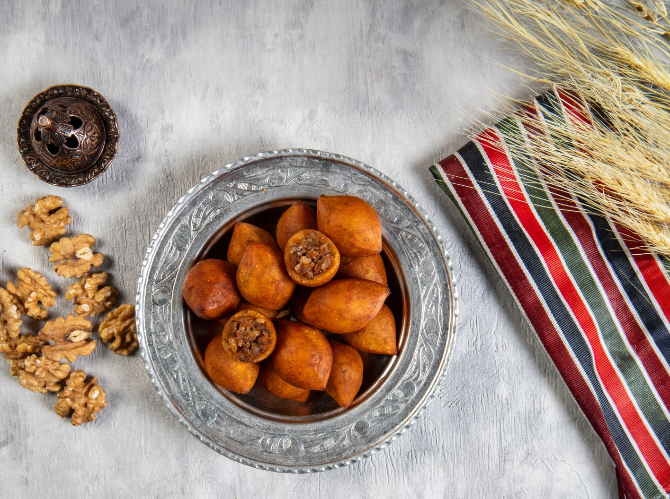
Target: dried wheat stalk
620 163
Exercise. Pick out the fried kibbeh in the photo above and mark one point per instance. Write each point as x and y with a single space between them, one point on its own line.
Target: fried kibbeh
262 278
243 234
227 371
379 336
302 356
370 268
210 290
311 258
345 305
273 383
346 375
250 336
298 217
351 223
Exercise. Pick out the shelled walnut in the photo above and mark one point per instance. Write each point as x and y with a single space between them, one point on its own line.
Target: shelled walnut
17 349
70 336
74 256
89 298
119 325
47 218
10 316
82 398
39 374
31 290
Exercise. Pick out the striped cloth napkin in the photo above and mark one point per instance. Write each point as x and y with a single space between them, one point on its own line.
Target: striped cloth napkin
598 301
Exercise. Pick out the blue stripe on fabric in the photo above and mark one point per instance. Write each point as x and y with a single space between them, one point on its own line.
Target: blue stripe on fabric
533 263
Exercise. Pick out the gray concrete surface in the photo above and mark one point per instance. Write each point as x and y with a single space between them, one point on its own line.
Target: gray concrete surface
199 84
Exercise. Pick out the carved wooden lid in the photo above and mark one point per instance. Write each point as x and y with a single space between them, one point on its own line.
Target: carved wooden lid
68 135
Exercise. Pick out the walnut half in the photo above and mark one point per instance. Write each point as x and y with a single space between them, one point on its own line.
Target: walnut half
74 257
31 290
47 218
17 349
120 326
89 298
82 398
10 316
38 374
70 336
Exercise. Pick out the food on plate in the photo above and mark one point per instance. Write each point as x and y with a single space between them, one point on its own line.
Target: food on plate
379 336
243 234
250 336
346 375
226 370
245 305
311 258
273 383
74 256
298 217
302 356
351 223
345 305
370 268
210 290
262 278
297 303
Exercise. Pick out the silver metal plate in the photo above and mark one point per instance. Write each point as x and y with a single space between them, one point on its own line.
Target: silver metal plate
249 430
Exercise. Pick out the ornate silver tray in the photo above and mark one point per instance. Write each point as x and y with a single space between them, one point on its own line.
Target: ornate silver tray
255 429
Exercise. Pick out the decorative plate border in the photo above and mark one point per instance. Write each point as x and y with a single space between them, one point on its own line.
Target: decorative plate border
284 439
63 178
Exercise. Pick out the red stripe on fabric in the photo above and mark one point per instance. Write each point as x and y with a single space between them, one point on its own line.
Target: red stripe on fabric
651 269
534 309
639 341
612 382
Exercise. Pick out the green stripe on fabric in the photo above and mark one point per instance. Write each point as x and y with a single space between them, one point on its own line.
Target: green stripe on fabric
574 259
666 264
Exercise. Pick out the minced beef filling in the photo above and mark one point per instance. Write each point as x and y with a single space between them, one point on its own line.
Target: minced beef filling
248 338
309 258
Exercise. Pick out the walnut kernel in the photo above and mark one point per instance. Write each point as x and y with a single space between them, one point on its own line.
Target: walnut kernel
70 336
89 298
17 349
85 398
74 257
31 290
10 316
120 326
47 218
39 374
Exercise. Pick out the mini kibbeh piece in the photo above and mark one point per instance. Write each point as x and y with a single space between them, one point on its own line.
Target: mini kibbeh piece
370 268
225 370
262 278
210 290
250 336
302 356
311 258
351 223
243 234
298 217
272 382
346 375
345 305
379 336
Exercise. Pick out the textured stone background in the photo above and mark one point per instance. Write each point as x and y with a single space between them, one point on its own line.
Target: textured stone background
393 84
